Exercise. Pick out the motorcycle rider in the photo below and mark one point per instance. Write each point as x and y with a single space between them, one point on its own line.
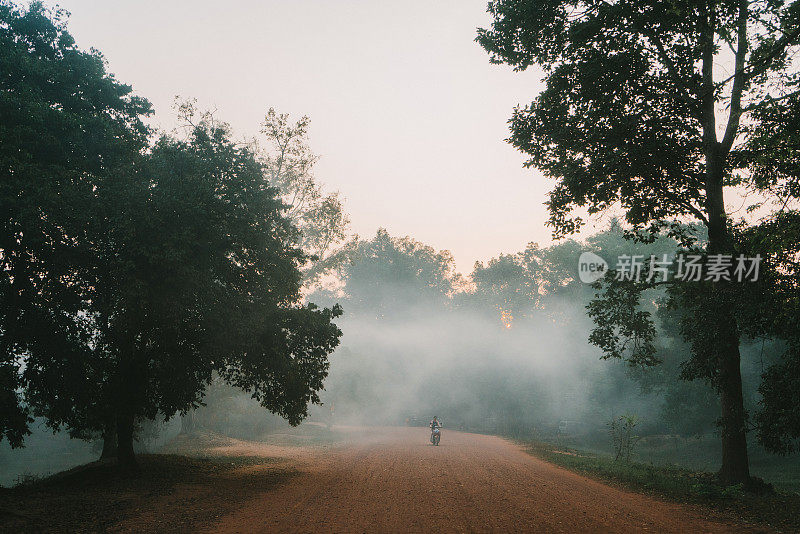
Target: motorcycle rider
434 425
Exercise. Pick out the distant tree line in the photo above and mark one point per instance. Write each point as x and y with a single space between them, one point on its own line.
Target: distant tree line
486 328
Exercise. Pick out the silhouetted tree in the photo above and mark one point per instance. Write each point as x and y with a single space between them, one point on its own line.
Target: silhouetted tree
131 274
629 118
204 278
67 129
289 163
507 287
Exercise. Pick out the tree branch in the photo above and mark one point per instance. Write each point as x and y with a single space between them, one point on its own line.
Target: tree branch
688 206
707 102
732 128
683 90
770 99
760 67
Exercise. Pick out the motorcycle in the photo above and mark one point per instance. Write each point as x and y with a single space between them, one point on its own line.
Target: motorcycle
436 435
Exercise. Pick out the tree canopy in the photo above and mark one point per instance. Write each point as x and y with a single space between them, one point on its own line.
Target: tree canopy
134 272
635 119
386 275
67 127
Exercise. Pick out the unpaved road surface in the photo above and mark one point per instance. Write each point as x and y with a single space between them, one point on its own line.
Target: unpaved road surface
394 481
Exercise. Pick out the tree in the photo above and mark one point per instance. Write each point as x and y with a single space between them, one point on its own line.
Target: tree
386 275
320 216
778 317
204 278
773 145
133 274
629 120
288 161
68 127
505 284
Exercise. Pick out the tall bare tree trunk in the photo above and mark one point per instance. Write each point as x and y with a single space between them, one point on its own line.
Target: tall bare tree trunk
735 467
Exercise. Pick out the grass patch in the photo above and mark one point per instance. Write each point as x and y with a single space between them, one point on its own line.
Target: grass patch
171 493
667 480
780 510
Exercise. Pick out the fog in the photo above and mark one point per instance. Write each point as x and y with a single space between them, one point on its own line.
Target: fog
461 366
501 350
468 356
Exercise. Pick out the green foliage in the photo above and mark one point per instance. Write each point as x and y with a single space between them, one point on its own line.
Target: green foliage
779 423
628 122
507 284
383 276
67 127
623 439
621 119
623 330
778 420
207 280
689 408
610 124
133 273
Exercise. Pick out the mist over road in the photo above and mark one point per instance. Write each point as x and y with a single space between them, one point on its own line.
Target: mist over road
394 481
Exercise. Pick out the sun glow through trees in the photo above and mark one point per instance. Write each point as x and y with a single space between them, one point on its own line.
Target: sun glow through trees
506 318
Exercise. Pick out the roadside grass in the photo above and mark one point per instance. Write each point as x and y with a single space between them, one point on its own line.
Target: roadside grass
702 453
777 509
170 493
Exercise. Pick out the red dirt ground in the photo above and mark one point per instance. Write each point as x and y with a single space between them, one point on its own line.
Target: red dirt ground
392 480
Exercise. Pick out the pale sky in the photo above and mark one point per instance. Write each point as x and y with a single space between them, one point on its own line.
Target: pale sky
407 114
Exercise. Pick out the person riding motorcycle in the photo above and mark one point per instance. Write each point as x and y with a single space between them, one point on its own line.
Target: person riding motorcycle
435 424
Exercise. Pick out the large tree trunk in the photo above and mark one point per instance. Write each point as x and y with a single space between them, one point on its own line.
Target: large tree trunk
125 455
735 467
109 441
735 464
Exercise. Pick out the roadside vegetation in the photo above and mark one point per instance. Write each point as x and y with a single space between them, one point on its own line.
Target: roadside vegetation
776 508
629 124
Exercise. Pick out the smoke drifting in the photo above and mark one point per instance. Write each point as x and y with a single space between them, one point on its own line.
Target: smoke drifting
472 371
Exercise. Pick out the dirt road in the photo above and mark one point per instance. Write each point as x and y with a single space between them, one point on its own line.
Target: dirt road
396 482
